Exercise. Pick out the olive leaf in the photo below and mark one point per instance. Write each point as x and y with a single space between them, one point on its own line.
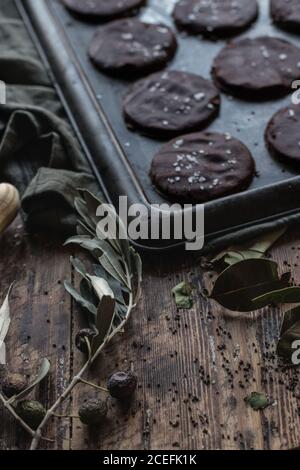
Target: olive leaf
242 282
183 295
289 295
138 268
290 332
100 286
254 250
78 266
4 325
114 268
257 401
42 374
111 292
79 298
105 311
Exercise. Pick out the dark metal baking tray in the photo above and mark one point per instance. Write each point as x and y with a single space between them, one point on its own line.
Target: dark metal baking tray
121 159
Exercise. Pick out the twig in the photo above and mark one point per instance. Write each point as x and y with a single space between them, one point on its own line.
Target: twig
8 406
90 384
79 377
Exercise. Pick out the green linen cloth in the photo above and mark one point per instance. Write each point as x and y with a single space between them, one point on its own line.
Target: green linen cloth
39 152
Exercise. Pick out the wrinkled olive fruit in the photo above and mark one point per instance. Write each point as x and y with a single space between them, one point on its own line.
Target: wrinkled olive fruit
32 412
122 385
12 384
93 412
80 340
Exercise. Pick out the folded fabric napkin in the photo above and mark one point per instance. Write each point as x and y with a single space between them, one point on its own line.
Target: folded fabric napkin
39 152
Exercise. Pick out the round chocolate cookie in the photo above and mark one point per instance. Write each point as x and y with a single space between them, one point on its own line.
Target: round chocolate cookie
264 67
200 167
286 14
171 103
215 17
283 133
130 47
102 9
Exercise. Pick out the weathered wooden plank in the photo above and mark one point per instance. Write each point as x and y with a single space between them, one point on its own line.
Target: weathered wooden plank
195 367
41 321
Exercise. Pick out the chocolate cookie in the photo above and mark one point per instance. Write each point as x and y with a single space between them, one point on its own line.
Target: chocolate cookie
286 14
131 47
263 67
215 17
171 103
283 133
196 168
102 9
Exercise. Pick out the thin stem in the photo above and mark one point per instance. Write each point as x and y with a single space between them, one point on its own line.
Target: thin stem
92 359
8 406
38 434
98 387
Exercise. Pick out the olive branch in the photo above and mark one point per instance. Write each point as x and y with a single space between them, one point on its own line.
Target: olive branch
107 296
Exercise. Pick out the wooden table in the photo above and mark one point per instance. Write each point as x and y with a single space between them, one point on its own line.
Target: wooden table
195 367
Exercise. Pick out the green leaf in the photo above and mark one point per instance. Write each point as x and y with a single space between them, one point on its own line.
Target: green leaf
254 250
290 332
78 266
114 268
4 326
289 295
183 295
257 401
137 264
104 320
100 287
82 210
239 284
79 298
43 372
93 244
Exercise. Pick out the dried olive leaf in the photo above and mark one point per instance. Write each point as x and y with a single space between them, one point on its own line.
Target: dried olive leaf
78 266
183 295
138 268
4 326
100 286
94 245
82 210
79 298
114 268
257 401
104 320
88 293
254 250
290 332
235 288
289 295
42 373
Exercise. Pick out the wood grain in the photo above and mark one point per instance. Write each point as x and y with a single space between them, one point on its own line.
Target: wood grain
41 322
195 367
